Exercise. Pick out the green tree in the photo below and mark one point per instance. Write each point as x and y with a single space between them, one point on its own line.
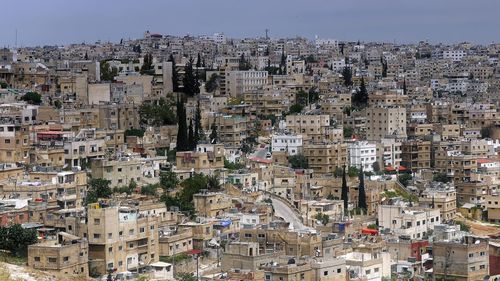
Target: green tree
183 276
298 161
175 74
337 172
134 132
441 177
323 218
213 83
182 130
156 114
283 63
58 104
107 73
244 64
168 180
353 171
362 193
347 132
233 166
405 179
98 188
384 66
16 239
345 190
191 139
32 98
360 97
213 183
376 167
296 108
190 81
147 65
149 189
3 85
347 75
213 135
199 135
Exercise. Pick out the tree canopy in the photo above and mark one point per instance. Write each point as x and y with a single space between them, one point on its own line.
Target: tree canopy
32 98
298 162
156 114
16 239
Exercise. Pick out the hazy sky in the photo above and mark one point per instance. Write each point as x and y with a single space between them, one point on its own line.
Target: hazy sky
41 22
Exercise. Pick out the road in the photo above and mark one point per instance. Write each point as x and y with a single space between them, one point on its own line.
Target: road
282 210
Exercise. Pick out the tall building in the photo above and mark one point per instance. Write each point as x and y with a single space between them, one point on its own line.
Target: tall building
385 122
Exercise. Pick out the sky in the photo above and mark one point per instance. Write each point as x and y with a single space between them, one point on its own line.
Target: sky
51 22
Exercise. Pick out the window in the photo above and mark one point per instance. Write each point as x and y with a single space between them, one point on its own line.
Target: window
110 265
376 269
120 263
110 235
66 259
97 221
110 249
248 235
325 273
339 270
37 258
97 235
52 260
368 271
141 230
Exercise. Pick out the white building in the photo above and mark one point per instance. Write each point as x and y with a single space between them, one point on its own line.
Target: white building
219 38
289 143
337 64
368 266
240 82
454 55
362 153
411 222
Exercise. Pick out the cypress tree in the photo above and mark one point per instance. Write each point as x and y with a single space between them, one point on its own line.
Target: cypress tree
191 85
175 75
198 61
182 134
404 86
345 190
198 130
347 75
360 98
283 63
213 135
362 194
191 139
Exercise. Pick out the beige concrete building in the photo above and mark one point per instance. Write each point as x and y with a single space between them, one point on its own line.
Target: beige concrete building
416 154
385 121
174 241
67 255
315 128
464 260
442 197
325 157
205 159
492 204
121 238
211 204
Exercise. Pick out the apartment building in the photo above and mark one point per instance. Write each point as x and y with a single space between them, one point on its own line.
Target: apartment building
384 122
389 153
441 196
416 154
67 255
120 238
15 143
270 101
241 82
411 222
211 204
175 240
362 154
232 130
289 143
456 165
324 158
205 159
465 259
315 128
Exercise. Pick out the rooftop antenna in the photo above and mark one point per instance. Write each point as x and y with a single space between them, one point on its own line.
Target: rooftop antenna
267 33
15 46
